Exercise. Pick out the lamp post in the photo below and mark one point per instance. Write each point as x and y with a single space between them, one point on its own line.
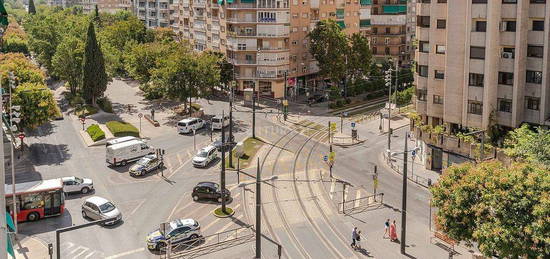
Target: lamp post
13 111
388 84
258 207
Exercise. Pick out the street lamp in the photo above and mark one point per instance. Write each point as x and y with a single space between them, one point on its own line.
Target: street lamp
258 207
14 117
388 84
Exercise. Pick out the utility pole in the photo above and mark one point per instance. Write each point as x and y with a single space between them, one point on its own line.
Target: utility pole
222 175
330 162
375 180
230 122
12 164
285 102
3 226
254 112
329 132
258 213
404 198
389 85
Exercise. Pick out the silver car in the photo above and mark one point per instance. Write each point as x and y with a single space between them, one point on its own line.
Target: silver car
75 184
97 208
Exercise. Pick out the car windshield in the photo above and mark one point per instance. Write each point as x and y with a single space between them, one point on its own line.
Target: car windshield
216 120
78 180
106 207
143 161
202 154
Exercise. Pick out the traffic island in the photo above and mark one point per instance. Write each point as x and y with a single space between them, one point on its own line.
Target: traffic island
250 147
220 214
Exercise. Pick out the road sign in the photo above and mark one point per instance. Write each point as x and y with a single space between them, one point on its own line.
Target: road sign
353 124
21 136
285 102
333 126
413 153
82 119
325 158
345 114
376 182
140 115
331 156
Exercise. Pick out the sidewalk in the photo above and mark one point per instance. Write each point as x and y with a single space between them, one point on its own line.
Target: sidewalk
28 247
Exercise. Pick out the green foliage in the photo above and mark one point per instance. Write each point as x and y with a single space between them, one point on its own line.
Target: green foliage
163 35
15 39
94 79
37 104
403 97
142 59
196 106
85 110
23 70
504 210
105 104
32 9
152 91
329 47
122 129
359 57
531 146
67 62
95 132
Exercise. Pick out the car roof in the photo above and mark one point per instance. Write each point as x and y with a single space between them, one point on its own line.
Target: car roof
97 200
209 184
150 156
126 144
67 178
181 222
188 119
208 148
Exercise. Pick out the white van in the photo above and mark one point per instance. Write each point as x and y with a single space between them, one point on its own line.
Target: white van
189 124
119 140
122 153
218 120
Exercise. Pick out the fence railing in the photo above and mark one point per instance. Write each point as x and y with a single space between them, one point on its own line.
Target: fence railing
362 203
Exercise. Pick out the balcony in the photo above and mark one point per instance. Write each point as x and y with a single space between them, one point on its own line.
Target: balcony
240 62
388 19
273 62
199 4
274 49
241 20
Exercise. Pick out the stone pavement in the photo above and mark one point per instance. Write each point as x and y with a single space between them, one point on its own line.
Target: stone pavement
30 248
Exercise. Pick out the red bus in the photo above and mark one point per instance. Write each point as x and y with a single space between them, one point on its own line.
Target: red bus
36 200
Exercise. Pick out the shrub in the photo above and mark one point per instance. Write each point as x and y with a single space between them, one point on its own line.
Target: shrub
85 110
339 103
151 91
105 104
122 129
348 100
196 106
332 105
95 132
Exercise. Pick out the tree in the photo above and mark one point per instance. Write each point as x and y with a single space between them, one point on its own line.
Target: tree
359 57
175 75
504 210
329 47
528 145
23 70
67 62
94 79
37 104
32 9
141 59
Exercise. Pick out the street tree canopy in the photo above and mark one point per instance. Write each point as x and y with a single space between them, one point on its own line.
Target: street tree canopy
94 79
505 210
37 104
67 62
529 145
329 46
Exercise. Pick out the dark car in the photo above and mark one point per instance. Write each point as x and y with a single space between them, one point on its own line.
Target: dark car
316 98
209 190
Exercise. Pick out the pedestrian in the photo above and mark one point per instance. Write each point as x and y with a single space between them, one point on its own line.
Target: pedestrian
393 232
358 240
353 236
153 114
386 228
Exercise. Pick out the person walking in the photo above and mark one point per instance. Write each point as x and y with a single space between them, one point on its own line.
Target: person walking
353 236
358 240
393 232
386 228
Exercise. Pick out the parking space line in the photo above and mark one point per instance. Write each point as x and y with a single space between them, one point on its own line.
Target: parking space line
84 250
137 207
210 224
226 226
69 244
175 207
126 253
179 158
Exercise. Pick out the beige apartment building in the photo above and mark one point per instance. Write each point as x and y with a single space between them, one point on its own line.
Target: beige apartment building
158 13
110 6
483 62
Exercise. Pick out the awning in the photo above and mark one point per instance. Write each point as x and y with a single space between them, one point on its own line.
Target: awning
366 2
340 13
248 1
342 24
364 23
220 2
229 1
392 9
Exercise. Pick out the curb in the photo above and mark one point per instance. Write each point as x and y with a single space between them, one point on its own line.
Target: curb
350 145
394 129
226 216
388 165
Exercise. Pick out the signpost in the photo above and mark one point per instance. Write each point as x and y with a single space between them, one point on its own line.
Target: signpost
83 120
21 137
331 157
140 115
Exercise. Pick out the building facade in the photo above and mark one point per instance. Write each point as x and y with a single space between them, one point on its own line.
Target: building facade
110 6
158 13
482 63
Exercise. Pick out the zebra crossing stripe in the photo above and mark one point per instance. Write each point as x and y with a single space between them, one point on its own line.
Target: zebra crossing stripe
357 199
332 185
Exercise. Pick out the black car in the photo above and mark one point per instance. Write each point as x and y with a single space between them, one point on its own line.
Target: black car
316 98
209 190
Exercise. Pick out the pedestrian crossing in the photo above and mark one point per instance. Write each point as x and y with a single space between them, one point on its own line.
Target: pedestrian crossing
75 251
351 198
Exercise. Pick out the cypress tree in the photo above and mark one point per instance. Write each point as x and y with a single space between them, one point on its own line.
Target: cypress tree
32 9
94 79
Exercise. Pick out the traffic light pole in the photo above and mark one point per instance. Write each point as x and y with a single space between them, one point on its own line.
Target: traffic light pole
3 226
254 112
258 213
230 124
404 198
285 107
222 175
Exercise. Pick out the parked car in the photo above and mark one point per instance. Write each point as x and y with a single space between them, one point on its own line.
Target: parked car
316 98
75 184
128 151
120 140
188 125
97 208
205 156
209 190
218 120
176 231
145 165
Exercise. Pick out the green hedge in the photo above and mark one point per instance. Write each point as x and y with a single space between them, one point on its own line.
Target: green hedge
85 110
95 132
122 129
105 104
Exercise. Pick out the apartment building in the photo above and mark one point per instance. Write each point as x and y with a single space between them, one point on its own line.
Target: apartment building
110 6
483 62
158 13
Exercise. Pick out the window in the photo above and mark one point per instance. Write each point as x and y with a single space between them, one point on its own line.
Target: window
387 51
439 74
387 41
475 80
438 99
477 52
532 103
538 1
375 30
388 30
425 1
533 77
508 26
423 71
422 94
505 78
440 49
441 24
538 25
479 1
424 46
423 21
509 1
535 51
508 53
481 26
475 107
504 105
31 201
441 1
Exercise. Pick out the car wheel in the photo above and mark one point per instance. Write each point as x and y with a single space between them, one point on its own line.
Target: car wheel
123 163
161 245
142 172
219 199
85 190
84 214
33 216
193 237
195 197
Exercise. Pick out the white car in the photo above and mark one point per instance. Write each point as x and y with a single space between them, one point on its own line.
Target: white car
75 184
205 156
218 122
179 230
97 208
189 124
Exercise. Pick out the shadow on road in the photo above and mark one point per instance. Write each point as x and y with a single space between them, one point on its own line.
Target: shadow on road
48 154
46 225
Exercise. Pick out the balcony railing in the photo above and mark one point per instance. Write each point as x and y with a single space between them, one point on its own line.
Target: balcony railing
242 61
241 19
199 4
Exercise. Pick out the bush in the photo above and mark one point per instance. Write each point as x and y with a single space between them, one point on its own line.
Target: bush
332 105
122 129
105 104
348 100
151 91
196 107
339 103
95 132
85 110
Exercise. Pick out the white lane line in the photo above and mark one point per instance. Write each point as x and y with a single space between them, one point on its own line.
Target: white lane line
89 255
125 253
332 186
68 244
210 225
168 163
135 209
179 158
189 153
175 207
357 197
225 228
84 250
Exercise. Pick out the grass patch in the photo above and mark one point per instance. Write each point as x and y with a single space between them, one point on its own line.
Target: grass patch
250 147
219 213
122 129
85 110
95 132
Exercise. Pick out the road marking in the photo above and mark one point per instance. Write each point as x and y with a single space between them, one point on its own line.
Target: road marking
125 253
189 154
211 224
225 228
68 244
89 255
357 197
332 185
346 194
137 207
179 158
174 209
84 249
167 163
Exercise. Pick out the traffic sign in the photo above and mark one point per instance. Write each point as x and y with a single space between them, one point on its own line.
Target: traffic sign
333 126
331 156
353 124
140 114
285 102
82 119
325 158
413 153
21 136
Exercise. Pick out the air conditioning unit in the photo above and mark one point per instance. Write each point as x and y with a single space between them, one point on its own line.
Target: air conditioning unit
507 55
